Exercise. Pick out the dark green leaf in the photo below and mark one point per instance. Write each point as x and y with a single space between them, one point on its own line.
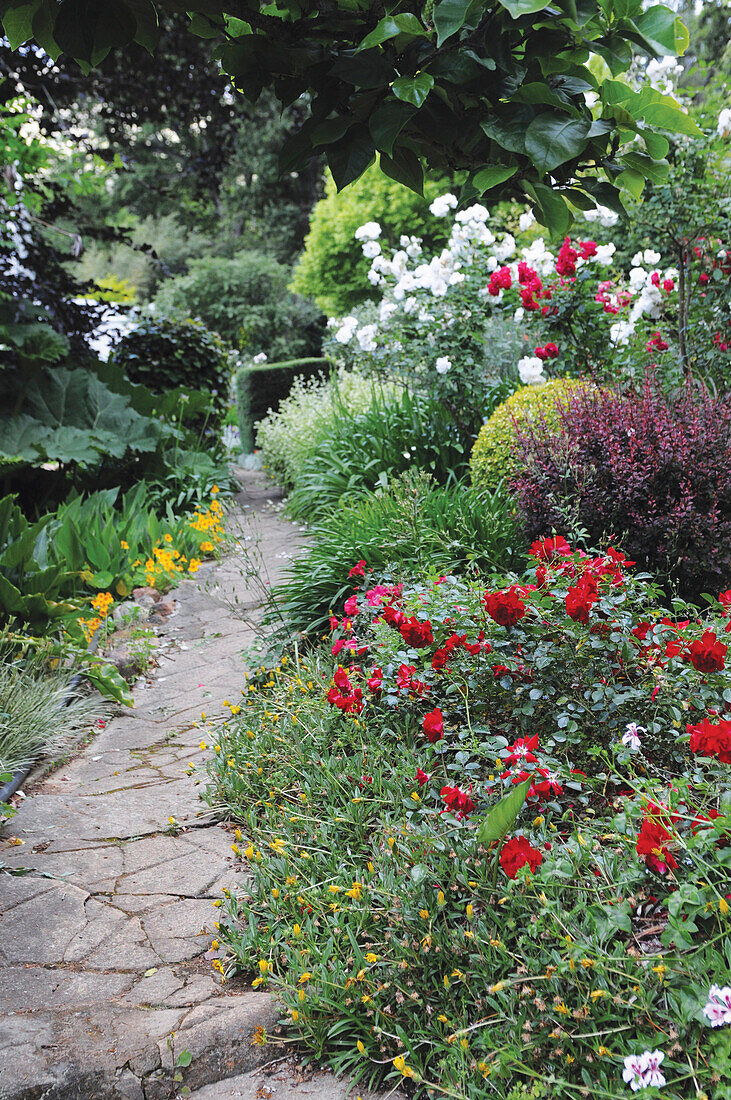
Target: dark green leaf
508 134
489 177
390 27
552 210
552 140
654 170
18 24
449 16
349 157
616 51
661 29
524 7
404 167
387 122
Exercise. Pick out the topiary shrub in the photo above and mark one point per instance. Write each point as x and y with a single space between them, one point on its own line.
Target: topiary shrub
164 354
332 269
261 387
650 469
493 455
245 299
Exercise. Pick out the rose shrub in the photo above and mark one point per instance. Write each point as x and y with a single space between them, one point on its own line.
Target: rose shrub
458 827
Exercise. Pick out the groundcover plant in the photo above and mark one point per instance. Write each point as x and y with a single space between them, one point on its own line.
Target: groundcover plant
488 828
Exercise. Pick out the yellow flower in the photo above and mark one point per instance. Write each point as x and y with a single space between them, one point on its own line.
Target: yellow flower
168 538
597 993
217 903
587 963
497 987
305 977
361 1048
302 995
334 889
193 565
259 1037
399 1063
371 957
469 911
275 892
207 547
264 965
424 914
124 545
441 898
297 931
723 907
604 1052
295 1015
235 849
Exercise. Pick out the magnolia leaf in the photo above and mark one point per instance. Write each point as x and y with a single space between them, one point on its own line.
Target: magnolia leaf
524 7
631 181
413 89
349 157
663 32
551 140
491 176
387 122
654 170
449 16
404 167
616 51
552 210
502 816
657 145
391 27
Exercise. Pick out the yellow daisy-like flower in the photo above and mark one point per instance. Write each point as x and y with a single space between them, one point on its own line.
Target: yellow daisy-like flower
399 1063
371 957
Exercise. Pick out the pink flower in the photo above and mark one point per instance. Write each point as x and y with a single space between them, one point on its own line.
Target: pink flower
718 1008
351 605
358 570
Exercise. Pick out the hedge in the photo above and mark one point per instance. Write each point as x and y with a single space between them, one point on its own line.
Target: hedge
263 386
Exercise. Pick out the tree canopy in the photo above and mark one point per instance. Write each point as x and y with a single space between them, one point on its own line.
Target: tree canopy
524 98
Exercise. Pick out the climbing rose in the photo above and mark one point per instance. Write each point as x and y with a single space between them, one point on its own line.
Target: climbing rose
708 739
707 655
521 751
433 725
506 607
581 598
515 853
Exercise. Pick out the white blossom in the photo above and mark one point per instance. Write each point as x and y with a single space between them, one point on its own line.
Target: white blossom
621 331
505 248
260 358
370 231
604 254
348 325
642 1071
652 257
724 123
443 204
443 364
530 370
519 315
718 1008
603 215
371 249
366 337
525 221
631 736
475 213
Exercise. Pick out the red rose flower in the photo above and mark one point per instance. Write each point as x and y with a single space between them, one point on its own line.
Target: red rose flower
516 853
416 633
724 598
456 800
433 725
708 739
357 570
653 842
505 607
375 680
579 601
421 777
707 654
548 549
393 617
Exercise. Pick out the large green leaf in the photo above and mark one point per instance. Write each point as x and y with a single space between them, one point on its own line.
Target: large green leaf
662 30
492 175
654 170
404 167
552 210
18 24
551 140
524 7
664 111
449 16
349 157
387 122
413 89
502 817
391 26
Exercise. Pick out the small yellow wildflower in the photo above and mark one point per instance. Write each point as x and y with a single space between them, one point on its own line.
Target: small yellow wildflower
399 1063
361 1048
371 957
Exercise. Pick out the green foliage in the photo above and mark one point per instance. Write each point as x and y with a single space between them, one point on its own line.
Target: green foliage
410 523
261 388
40 712
29 587
454 86
332 269
163 354
288 436
245 300
363 449
492 460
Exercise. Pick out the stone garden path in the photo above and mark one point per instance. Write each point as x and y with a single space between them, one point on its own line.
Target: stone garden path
103 975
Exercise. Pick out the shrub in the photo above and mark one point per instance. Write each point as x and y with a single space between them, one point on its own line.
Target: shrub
435 892
650 467
332 270
411 524
246 301
164 354
287 437
261 388
493 455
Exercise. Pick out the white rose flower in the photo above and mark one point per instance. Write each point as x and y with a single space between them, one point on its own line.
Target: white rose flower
366 337
604 254
260 358
443 204
603 215
505 248
443 364
519 315
348 325
652 257
371 249
620 332
475 213
530 370
370 231
525 221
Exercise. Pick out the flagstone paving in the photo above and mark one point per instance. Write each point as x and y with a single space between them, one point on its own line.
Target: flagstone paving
102 943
